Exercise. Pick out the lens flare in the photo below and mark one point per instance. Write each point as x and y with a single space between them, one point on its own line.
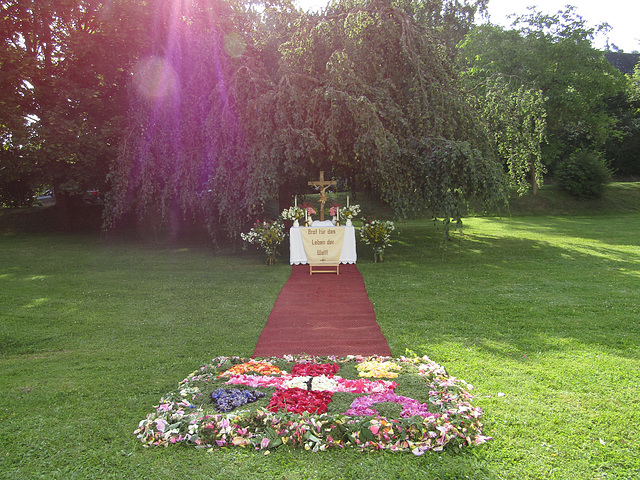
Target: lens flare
234 45
154 78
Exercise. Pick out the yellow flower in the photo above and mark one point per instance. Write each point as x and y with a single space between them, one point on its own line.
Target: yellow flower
377 369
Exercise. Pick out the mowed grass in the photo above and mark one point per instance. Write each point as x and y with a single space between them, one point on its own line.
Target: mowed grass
539 313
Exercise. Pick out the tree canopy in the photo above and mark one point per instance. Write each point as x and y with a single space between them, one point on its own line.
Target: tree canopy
64 64
623 151
552 54
207 110
255 100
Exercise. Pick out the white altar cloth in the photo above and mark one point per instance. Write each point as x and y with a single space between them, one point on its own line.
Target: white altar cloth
325 223
297 256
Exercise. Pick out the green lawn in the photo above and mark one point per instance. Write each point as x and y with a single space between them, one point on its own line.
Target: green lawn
539 313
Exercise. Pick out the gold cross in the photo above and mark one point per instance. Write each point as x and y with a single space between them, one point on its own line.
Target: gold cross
322 184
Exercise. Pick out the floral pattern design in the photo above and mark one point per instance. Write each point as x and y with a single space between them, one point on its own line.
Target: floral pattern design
297 408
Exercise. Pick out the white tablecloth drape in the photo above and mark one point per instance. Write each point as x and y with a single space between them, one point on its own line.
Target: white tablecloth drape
297 255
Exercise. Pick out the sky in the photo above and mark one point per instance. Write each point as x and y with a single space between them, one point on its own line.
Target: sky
622 15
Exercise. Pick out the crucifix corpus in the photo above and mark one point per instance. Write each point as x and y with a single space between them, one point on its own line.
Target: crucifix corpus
322 184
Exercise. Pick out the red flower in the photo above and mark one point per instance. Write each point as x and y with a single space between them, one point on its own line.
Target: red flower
298 400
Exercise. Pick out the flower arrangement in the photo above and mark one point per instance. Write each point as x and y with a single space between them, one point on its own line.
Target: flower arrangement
377 234
292 213
334 209
308 211
314 407
309 208
350 212
267 234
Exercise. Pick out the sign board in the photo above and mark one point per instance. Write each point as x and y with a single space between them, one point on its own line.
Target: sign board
323 245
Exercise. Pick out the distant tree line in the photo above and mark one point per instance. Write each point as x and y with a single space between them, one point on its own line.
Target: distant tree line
204 111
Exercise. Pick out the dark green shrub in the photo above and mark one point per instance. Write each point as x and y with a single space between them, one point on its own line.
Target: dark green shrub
584 175
15 193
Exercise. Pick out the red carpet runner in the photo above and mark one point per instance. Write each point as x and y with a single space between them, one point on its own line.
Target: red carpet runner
322 314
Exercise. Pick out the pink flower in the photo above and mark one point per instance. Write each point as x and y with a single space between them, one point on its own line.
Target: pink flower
264 443
161 424
374 429
314 369
410 407
480 439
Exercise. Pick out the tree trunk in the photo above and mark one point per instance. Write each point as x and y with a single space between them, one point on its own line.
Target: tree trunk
534 183
63 210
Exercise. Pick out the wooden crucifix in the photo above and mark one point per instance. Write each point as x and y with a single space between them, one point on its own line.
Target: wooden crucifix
322 184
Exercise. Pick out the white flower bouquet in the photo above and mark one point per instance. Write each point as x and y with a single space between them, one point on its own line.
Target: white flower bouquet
292 213
377 234
268 235
350 212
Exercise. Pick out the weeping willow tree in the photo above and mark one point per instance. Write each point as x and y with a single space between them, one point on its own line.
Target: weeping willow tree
515 120
240 102
192 148
381 100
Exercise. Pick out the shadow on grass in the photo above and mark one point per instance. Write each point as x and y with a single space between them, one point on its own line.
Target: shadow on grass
512 286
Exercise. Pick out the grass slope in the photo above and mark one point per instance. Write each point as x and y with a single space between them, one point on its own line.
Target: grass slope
539 313
619 197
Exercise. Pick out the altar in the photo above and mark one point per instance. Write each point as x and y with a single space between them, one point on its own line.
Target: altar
297 255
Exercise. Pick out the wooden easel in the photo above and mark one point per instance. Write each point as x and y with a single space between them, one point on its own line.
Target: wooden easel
318 266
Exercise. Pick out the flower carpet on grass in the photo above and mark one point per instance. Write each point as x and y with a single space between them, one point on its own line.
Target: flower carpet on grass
316 403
